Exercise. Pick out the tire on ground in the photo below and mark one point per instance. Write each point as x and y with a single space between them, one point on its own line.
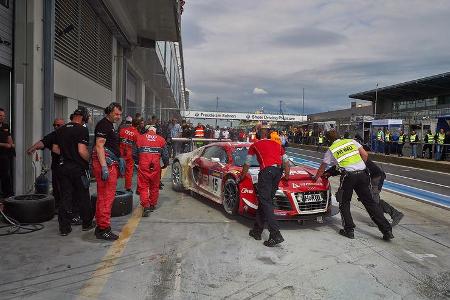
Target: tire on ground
32 208
122 204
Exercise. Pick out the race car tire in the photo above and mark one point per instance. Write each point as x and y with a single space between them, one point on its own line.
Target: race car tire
230 201
32 208
122 205
177 177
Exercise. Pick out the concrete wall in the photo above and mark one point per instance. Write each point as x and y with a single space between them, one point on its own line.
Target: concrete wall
71 84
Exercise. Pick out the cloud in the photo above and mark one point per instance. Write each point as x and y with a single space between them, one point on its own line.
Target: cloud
259 91
331 49
308 37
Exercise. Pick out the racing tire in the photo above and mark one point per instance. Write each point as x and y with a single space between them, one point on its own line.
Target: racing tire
122 204
177 177
230 201
29 209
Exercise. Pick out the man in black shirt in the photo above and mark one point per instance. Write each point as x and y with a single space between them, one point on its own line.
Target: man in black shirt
106 163
47 142
72 141
6 154
377 177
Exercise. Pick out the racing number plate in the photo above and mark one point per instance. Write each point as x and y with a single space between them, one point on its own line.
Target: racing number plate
312 198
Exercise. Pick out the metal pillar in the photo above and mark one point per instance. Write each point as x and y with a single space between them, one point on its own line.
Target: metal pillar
49 46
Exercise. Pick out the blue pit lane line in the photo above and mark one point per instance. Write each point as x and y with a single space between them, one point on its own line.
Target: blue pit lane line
398 188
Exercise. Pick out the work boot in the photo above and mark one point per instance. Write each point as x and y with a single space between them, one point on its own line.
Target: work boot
152 207
255 233
396 218
161 185
350 234
65 231
105 234
146 212
387 236
89 227
76 220
274 239
129 191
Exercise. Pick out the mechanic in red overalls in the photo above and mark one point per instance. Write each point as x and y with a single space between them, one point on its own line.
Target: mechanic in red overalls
106 163
151 148
272 160
126 138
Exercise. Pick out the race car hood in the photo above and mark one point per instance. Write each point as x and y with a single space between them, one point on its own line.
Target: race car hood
300 179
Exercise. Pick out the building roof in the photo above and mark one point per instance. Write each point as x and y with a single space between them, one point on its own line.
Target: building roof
427 87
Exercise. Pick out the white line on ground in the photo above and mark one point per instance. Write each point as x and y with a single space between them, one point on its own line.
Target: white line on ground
419 256
177 283
438 184
391 164
391 174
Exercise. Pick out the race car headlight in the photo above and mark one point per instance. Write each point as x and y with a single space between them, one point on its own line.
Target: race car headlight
279 193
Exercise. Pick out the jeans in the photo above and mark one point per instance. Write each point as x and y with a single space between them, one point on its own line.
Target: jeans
414 150
439 150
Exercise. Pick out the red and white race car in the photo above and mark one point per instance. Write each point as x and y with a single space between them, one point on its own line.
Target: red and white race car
213 171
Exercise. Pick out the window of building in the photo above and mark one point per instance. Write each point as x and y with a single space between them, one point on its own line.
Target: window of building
4 3
82 41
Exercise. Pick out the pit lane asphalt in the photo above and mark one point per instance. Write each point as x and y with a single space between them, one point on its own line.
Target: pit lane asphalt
431 181
189 249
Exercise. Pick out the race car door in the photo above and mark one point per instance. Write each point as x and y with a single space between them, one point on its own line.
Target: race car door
211 166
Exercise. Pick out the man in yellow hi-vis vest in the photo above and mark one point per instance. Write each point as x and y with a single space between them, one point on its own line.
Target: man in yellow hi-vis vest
349 156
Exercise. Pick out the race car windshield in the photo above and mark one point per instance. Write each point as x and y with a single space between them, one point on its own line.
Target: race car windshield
240 156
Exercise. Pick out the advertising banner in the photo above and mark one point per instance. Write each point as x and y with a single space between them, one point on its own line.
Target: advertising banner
241 116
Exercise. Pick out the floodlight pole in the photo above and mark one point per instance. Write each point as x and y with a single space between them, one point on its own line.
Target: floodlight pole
376 100
303 97
217 108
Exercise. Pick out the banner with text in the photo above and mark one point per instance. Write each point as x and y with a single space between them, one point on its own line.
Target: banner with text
241 116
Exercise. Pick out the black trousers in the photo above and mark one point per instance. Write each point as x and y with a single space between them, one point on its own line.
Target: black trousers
377 185
6 176
268 180
73 190
428 147
400 149
360 183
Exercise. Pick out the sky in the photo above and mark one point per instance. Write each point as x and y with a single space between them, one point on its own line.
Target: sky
256 53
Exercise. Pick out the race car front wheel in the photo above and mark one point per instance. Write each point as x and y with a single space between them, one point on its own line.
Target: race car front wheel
177 184
230 197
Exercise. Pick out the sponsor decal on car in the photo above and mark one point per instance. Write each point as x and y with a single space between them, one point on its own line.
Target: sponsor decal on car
215 173
246 191
280 213
298 172
308 185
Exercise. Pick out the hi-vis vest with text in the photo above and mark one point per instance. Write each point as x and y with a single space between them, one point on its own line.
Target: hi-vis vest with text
441 138
430 138
320 139
379 135
199 132
345 152
412 138
401 138
387 137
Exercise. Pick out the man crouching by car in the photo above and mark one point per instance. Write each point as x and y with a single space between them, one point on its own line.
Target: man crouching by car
270 156
151 148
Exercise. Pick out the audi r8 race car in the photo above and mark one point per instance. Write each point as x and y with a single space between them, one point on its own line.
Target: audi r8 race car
213 171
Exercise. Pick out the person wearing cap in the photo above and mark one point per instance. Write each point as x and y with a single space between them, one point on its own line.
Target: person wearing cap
71 141
126 138
151 149
349 156
272 160
106 164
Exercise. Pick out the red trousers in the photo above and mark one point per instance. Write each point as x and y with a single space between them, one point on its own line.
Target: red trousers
106 192
129 172
148 181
